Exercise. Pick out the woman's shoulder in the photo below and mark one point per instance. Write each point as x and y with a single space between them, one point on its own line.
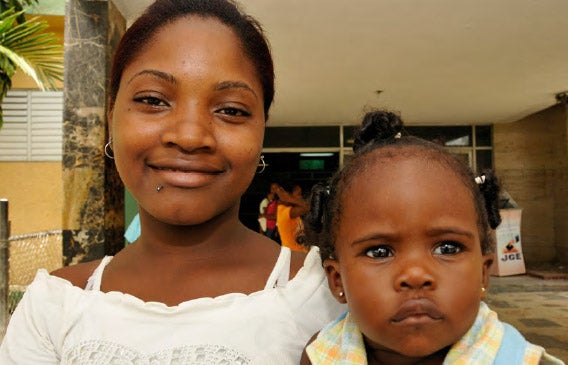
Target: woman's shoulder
297 260
77 274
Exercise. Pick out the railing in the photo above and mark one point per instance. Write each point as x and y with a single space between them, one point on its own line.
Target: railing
4 255
20 258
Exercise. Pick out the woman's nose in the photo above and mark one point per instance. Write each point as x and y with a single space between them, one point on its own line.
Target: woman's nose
191 127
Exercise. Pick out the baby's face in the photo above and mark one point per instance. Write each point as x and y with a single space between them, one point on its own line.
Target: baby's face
408 257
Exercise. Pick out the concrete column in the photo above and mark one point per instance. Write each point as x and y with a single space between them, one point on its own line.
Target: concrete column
93 207
561 188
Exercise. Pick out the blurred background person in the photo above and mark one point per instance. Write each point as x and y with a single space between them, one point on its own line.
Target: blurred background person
291 207
267 214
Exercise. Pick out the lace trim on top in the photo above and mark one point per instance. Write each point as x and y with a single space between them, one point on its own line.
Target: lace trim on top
278 277
103 352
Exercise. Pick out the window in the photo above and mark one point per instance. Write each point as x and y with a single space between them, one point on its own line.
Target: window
32 129
473 144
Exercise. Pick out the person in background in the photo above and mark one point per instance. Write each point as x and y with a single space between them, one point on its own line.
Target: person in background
291 207
191 86
267 217
405 234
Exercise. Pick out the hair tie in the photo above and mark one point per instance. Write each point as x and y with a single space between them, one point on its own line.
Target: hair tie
480 179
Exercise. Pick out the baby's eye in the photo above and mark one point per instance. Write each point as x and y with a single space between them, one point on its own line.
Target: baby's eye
151 100
379 252
448 248
234 112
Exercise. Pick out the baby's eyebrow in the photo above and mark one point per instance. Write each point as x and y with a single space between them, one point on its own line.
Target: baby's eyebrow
372 237
451 230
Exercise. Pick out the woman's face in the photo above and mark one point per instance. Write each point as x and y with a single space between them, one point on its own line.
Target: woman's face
188 122
408 257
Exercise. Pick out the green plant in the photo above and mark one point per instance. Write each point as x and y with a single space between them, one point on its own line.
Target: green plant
17 5
25 45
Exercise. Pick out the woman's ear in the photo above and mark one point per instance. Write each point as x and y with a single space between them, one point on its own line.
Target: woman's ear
109 120
487 261
331 267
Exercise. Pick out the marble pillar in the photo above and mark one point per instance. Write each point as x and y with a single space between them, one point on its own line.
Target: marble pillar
93 210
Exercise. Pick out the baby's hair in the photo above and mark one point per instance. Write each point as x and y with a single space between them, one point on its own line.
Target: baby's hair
382 136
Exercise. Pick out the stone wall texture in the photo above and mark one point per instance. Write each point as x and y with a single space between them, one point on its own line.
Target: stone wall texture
531 160
93 213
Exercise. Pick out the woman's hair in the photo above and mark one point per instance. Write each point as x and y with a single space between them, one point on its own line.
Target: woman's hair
380 136
163 12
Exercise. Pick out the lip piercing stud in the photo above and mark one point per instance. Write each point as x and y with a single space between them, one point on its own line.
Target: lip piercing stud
160 187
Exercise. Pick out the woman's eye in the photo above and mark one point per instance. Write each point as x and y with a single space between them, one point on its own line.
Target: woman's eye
379 252
151 100
448 248
234 112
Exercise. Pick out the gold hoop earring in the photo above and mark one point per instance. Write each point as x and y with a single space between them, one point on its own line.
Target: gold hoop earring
109 148
261 163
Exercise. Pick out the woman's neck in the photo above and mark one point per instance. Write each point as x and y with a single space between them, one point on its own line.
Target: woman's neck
172 264
219 233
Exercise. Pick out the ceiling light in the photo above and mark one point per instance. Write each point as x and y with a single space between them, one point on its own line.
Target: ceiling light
316 154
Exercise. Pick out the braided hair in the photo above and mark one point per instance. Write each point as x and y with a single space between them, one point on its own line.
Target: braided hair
382 136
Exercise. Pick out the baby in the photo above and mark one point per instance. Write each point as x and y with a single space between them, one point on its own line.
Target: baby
404 234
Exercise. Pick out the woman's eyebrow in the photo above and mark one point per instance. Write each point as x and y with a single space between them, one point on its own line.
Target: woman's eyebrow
159 74
235 84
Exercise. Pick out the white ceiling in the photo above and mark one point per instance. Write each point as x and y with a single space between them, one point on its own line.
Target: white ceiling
436 61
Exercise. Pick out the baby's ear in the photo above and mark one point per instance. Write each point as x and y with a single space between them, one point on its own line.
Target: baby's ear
487 262
331 267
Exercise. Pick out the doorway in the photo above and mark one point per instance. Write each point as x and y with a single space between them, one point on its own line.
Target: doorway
303 168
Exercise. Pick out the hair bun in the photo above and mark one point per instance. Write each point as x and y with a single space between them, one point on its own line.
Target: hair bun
490 190
378 126
318 201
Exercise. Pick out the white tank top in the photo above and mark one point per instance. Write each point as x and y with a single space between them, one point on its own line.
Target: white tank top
57 322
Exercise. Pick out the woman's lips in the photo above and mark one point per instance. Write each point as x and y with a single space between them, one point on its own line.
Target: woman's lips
416 311
186 174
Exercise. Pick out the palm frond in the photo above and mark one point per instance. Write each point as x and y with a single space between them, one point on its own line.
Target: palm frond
19 62
36 52
25 45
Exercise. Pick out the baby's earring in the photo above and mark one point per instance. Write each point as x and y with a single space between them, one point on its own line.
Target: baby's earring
341 294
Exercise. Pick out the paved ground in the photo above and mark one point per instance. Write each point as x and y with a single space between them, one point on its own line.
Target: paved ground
537 305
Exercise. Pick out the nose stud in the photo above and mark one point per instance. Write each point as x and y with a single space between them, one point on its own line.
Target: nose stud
159 188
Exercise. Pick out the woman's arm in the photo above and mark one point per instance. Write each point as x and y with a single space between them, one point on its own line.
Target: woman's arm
299 205
33 328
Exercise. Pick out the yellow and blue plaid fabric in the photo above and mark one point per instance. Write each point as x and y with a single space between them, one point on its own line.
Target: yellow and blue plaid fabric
342 343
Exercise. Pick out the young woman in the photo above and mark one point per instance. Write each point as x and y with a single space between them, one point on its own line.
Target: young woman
404 231
191 86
